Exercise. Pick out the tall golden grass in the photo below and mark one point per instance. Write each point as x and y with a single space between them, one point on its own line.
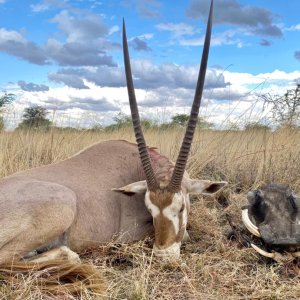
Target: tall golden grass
244 158
212 267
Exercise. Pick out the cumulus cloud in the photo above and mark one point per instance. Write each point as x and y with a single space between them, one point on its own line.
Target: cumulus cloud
12 42
177 29
146 74
32 87
85 27
268 30
250 80
85 42
101 76
47 4
185 35
114 29
183 98
73 107
293 28
65 78
227 37
145 8
78 54
139 45
265 43
225 93
148 8
256 19
165 97
86 104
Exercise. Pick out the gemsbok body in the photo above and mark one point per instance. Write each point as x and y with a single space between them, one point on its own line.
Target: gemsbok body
112 189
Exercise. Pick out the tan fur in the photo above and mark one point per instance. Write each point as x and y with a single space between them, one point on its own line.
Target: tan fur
60 253
164 230
161 198
74 204
165 234
71 203
55 277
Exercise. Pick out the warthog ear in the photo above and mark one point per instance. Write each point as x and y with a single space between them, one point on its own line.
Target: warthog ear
251 197
254 196
205 187
297 199
138 187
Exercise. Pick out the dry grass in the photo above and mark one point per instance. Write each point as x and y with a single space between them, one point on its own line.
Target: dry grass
212 267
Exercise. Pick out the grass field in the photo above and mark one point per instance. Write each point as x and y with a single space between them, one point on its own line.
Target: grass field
211 267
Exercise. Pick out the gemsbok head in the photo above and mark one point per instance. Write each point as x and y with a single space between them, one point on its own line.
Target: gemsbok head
167 187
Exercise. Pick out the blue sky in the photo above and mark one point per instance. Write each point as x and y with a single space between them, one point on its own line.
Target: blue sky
66 56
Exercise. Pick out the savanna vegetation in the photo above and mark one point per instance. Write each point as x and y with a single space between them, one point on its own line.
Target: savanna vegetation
212 266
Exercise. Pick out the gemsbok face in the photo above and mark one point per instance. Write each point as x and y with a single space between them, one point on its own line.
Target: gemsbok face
167 186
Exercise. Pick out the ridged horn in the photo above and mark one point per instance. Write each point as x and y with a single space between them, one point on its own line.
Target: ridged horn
144 155
175 183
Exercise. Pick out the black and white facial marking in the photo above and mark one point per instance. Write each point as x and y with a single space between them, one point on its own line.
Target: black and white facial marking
170 213
273 215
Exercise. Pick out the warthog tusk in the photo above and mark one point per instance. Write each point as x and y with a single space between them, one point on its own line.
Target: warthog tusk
263 252
282 258
249 225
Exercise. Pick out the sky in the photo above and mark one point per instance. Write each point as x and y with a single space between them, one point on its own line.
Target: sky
67 56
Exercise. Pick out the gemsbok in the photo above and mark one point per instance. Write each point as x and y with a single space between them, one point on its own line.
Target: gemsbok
54 211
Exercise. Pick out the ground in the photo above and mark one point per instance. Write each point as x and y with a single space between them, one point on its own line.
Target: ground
212 266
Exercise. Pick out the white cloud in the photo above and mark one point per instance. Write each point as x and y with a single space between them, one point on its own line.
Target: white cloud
237 101
47 4
256 20
177 29
113 29
227 37
12 42
80 27
145 36
10 35
293 28
39 7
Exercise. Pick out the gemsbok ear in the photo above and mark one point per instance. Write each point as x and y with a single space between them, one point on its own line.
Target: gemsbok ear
205 187
138 187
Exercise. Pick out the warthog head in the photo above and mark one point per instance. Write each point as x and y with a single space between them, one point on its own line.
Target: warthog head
273 214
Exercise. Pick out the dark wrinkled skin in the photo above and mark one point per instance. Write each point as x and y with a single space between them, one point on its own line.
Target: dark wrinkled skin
275 210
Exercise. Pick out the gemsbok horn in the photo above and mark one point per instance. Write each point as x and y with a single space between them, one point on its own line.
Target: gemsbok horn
167 195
